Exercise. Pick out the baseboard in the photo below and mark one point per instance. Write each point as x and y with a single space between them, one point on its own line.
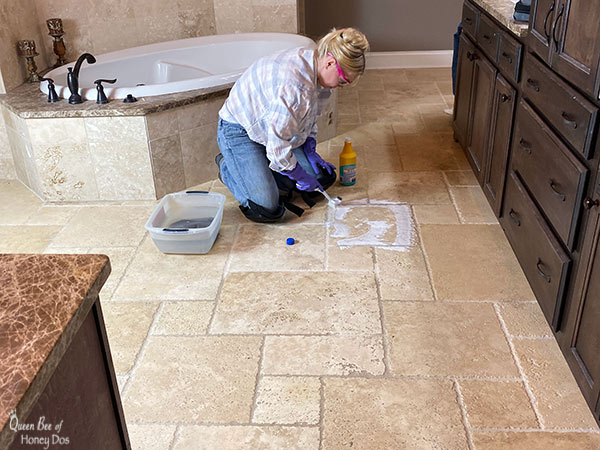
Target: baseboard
409 60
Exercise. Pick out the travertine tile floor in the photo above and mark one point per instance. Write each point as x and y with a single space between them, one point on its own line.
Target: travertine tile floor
259 345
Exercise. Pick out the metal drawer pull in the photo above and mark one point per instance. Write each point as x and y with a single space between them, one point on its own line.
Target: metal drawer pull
553 185
555 26
589 203
468 20
568 120
507 57
544 276
546 23
471 56
487 37
504 98
533 85
513 216
524 145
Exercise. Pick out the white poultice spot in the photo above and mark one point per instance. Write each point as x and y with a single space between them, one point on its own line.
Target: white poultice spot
353 227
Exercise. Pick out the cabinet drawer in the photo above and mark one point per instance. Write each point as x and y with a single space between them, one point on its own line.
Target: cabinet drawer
542 259
553 175
470 17
488 36
567 110
509 56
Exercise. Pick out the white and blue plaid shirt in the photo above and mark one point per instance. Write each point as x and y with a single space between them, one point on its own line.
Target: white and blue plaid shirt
278 100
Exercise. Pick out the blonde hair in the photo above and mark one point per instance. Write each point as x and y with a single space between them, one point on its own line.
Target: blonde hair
347 46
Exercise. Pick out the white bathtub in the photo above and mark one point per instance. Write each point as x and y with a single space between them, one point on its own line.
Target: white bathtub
174 66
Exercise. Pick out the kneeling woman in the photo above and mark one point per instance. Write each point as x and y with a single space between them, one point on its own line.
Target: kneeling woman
268 124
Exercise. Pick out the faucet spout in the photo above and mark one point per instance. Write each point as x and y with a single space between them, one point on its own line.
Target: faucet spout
73 78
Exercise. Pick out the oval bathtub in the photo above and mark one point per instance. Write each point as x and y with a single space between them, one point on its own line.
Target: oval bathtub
174 66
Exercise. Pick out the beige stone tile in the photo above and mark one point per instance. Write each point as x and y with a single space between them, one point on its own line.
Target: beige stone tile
150 436
349 258
497 405
198 149
153 275
297 303
408 121
162 124
447 339
275 17
445 87
119 260
428 152
472 205
209 379
237 437
404 120
7 168
127 325
24 162
370 134
535 441
263 248
559 400
403 274
383 414
524 319
64 162
288 400
461 266
25 238
461 178
435 119
417 92
382 158
232 215
198 114
17 203
167 164
435 214
119 177
385 224
183 318
105 226
429 74
233 16
410 187
323 355
52 215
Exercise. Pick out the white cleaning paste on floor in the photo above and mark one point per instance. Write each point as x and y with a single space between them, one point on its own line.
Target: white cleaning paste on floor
373 237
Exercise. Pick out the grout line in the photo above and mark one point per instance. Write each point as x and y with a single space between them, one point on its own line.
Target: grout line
463 413
259 377
141 351
387 364
175 437
223 424
425 257
532 399
534 430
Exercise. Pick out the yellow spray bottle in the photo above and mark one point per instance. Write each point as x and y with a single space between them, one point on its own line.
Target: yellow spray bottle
347 164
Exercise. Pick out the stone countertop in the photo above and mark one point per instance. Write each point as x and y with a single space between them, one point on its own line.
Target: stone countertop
43 302
28 102
502 11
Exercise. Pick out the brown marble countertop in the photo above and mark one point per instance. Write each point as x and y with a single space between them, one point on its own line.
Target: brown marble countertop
43 301
28 102
502 11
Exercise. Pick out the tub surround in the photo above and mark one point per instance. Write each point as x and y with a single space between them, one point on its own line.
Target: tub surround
502 11
45 304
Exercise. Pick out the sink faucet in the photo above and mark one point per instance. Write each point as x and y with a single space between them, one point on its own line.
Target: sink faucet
73 78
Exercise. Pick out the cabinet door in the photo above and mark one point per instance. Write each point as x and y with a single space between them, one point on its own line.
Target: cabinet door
500 131
484 77
462 99
576 43
540 33
583 319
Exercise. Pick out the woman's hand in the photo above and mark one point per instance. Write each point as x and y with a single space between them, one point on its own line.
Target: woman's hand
304 181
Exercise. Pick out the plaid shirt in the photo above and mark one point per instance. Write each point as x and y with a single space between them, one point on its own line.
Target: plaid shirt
278 101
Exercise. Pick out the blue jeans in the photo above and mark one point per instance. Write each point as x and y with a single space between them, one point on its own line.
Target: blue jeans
245 167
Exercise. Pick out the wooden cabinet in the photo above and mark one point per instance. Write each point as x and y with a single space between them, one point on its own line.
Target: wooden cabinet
565 34
464 78
499 142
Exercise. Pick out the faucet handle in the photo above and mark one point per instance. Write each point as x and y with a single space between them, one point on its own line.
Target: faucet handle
101 98
52 95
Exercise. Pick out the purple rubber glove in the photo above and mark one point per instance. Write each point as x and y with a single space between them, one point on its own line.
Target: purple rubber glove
304 181
315 160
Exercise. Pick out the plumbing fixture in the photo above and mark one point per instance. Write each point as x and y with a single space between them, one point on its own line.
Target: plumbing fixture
52 95
101 98
129 99
73 77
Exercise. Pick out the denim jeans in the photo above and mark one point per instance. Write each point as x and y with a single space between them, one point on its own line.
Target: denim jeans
245 167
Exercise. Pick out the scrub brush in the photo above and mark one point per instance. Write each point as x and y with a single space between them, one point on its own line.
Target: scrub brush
332 201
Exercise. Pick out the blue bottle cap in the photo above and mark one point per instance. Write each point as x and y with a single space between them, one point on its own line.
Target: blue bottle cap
290 241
